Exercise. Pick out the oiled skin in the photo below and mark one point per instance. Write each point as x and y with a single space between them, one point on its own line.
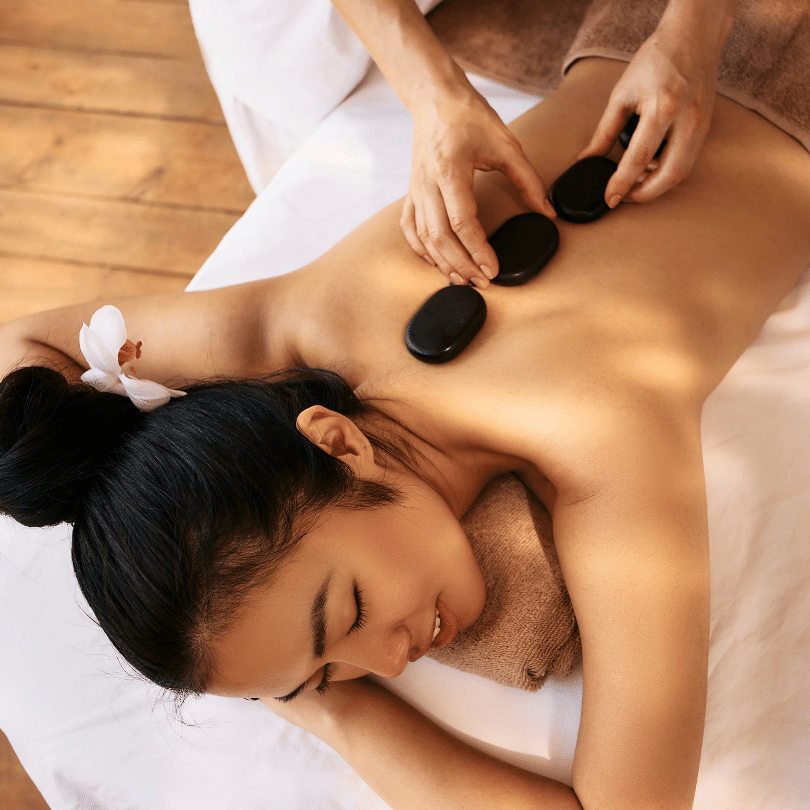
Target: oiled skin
588 382
667 294
698 271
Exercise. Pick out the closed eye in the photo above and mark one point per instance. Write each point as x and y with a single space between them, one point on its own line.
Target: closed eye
360 621
358 625
320 688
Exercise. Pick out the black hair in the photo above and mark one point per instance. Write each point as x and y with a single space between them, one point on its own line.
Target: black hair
178 513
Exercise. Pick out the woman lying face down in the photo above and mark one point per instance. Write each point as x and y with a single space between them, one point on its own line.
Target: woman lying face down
211 533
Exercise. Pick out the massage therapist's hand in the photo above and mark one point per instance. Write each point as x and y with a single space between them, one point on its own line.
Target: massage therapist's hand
670 84
455 134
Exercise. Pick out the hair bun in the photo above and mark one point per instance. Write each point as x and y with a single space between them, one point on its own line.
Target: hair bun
53 436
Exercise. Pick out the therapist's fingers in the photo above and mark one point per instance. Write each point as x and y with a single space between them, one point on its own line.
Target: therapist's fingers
650 132
407 222
685 142
434 231
613 120
459 226
477 259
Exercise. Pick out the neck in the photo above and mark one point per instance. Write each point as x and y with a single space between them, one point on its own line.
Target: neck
457 476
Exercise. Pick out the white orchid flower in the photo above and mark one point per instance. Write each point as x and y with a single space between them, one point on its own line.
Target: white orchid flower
110 355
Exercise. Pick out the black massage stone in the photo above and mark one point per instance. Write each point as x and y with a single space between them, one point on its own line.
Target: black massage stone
578 194
627 133
445 324
524 245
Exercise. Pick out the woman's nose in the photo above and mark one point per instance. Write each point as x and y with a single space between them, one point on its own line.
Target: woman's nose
386 655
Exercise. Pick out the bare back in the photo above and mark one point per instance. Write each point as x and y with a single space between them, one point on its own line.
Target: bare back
664 295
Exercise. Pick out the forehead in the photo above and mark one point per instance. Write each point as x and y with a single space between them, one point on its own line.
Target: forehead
267 649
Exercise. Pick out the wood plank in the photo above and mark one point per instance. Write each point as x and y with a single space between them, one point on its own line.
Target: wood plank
114 234
164 2
166 88
121 157
122 26
33 285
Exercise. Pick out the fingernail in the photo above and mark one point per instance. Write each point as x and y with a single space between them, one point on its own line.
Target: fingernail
486 271
477 283
456 278
614 200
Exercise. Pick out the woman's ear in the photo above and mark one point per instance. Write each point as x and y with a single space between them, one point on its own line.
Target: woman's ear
339 436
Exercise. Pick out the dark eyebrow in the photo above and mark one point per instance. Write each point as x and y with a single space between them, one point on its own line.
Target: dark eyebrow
317 621
317 618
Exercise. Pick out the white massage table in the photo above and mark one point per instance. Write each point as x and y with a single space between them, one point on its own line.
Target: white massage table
93 738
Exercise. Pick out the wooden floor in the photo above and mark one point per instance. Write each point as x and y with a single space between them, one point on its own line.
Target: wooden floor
116 169
117 174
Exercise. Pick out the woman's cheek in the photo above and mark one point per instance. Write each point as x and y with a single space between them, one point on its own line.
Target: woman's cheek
346 672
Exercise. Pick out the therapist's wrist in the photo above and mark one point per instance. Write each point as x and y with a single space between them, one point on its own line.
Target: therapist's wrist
436 84
701 24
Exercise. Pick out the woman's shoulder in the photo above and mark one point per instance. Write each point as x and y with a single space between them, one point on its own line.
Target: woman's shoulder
564 400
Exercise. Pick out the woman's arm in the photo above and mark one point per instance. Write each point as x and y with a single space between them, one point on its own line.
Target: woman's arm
455 132
631 533
220 333
409 761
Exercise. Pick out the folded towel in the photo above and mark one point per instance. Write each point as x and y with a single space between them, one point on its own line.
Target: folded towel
527 630
519 43
529 44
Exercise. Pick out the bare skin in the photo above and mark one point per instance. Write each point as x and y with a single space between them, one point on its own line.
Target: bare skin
588 382
670 83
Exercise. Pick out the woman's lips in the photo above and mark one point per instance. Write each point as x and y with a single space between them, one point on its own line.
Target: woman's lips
449 626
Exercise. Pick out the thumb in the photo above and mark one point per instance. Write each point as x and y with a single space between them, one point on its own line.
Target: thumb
607 130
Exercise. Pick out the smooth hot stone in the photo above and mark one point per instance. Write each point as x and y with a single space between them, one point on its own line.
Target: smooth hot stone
578 194
627 133
445 324
524 245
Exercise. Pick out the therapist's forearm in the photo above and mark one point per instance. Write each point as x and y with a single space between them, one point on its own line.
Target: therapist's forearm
708 20
412 764
405 49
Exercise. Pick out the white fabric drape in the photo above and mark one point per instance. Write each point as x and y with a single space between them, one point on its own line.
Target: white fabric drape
279 68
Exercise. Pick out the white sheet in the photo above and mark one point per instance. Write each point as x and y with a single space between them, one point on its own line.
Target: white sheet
278 68
91 738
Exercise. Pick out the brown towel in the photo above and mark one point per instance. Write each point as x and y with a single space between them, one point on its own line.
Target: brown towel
527 630
529 44
520 43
